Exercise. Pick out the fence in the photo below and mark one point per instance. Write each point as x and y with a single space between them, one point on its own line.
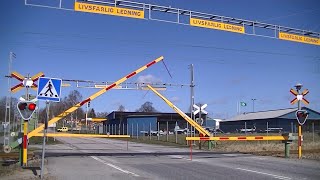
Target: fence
168 131
310 130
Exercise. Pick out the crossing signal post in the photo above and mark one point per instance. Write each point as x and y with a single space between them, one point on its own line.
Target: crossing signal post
26 110
301 115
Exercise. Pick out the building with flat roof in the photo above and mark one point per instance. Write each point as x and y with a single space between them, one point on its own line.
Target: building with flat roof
280 120
131 123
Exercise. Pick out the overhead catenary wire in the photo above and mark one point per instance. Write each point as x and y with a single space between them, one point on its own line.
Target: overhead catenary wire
68 49
166 68
292 14
68 35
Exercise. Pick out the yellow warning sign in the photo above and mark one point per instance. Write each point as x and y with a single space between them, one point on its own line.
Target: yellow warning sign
216 25
100 9
298 38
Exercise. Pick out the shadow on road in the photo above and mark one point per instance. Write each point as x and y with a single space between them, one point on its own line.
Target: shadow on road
33 169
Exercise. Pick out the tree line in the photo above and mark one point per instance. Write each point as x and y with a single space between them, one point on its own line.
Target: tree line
56 108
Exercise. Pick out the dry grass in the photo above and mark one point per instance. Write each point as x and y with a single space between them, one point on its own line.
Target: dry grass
310 145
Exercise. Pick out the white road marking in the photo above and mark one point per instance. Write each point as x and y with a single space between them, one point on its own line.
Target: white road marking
260 158
145 151
62 146
273 175
114 166
176 156
230 155
102 141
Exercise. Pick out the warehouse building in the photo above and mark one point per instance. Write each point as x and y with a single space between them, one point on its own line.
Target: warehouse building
281 120
132 123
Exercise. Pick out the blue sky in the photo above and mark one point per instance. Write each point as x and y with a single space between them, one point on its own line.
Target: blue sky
229 67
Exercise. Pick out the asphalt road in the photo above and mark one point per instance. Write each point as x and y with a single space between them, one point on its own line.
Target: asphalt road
93 158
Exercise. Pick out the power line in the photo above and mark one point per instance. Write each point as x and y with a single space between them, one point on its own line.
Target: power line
292 14
68 49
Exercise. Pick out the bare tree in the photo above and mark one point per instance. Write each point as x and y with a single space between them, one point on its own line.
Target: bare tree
147 107
121 108
92 113
73 98
13 108
102 114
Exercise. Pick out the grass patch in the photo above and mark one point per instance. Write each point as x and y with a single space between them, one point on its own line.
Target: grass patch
7 170
310 145
39 140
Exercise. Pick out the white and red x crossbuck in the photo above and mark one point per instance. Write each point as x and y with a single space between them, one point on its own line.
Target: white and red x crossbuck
25 81
299 97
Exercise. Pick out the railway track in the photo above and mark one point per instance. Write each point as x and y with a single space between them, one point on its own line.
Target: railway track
12 156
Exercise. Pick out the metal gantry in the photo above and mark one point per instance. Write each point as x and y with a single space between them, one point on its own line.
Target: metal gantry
122 86
188 17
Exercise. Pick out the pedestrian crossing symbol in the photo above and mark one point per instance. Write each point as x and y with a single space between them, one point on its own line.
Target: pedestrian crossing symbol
49 89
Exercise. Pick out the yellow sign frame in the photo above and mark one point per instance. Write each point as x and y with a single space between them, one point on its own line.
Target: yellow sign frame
217 25
298 38
108 10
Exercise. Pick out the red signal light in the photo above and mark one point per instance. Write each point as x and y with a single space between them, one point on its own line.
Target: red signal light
302 116
26 109
32 106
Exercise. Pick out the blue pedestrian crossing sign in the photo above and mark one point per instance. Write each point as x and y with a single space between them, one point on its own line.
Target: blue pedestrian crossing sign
49 89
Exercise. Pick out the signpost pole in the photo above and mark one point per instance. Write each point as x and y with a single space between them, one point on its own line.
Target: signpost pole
200 125
49 89
44 139
190 150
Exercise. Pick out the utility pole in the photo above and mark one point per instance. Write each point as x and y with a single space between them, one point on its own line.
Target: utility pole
253 104
298 88
191 97
6 124
87 118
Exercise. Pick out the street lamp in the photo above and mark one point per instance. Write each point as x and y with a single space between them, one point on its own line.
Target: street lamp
253 104
298 88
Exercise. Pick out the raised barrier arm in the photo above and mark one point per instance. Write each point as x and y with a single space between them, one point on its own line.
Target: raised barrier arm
93 96
187 118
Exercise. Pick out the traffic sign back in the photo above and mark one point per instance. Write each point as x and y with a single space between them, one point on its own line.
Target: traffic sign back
198 109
